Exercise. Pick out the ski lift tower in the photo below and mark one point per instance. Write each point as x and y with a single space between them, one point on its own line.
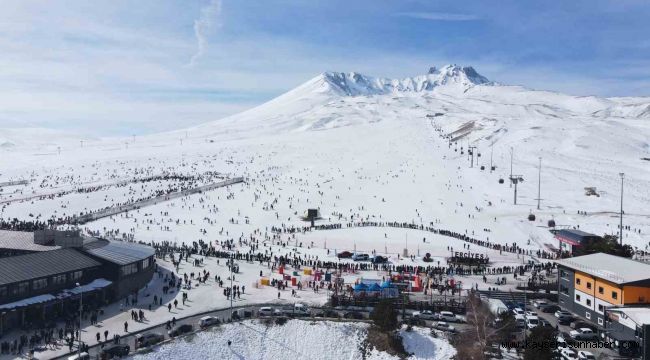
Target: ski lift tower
471 150
516 179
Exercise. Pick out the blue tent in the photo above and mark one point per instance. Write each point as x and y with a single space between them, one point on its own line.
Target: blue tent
360 287
374 287
386 284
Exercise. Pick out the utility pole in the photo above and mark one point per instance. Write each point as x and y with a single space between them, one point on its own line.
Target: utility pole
491 153
511 156
539 183
621 225
232 263
81 297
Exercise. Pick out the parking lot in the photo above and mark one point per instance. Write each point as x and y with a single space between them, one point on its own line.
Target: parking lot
598 352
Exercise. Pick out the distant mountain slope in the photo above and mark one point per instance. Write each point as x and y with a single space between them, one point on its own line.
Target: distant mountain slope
333 99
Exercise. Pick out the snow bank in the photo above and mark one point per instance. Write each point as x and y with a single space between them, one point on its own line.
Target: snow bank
296 339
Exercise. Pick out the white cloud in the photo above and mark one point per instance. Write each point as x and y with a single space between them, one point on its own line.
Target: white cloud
206 21
439 16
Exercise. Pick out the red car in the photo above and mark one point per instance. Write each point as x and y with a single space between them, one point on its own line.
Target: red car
345 255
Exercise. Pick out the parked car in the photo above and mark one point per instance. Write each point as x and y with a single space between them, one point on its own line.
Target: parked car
531 313
360 257
561 342
568 354
448 316
208 321
378 259
532 322
344 255
549 308
428 315
265 311
353 315
148 339
518 311
83 356
586 355
444 326
577 324
539 303
583 334
567 338
559 313
520 320
180 330
115 350
326 314
565 319
301 310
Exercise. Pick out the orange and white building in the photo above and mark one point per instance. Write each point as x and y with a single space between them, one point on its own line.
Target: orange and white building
589 284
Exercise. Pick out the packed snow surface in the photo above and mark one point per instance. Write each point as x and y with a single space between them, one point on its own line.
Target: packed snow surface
297 339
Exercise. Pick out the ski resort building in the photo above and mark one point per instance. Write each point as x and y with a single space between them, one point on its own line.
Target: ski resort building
590 284
43 274
627 328
571 238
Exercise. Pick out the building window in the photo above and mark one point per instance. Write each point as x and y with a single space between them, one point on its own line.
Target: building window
129 269
22 288
588 285
563 274
588 315
601 308
600 321
39 284
588 302
578 281
601 290
58 279
76 275
564 290
145 263
614 295
3 291
577 297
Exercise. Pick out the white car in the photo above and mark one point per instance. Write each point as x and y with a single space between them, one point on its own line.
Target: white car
586 355
443 326
448 316
428 315
561 343
532 322
539 303
583 334
208 321
360 257
265 311
568 354
300 310
531 313
518 311
83 356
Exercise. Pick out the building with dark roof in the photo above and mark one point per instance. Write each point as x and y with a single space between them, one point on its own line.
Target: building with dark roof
43 274
129 265
33 287
571 238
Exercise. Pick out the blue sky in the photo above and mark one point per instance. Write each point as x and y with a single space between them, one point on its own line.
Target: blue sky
135 67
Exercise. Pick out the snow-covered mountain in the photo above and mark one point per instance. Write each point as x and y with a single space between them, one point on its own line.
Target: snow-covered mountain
334 99
355 84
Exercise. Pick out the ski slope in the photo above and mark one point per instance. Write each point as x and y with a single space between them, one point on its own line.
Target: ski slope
359 147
